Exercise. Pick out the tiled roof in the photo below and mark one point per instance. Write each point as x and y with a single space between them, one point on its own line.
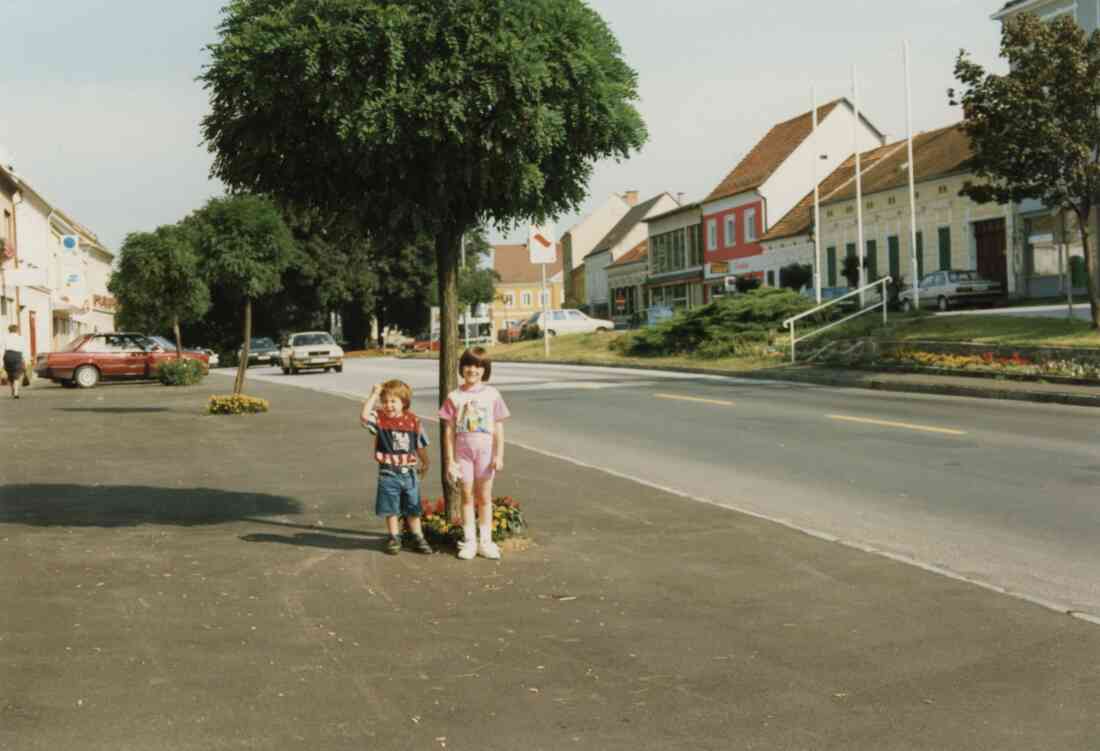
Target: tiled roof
639 252
513 264
623 226
935 153
798 220
770 152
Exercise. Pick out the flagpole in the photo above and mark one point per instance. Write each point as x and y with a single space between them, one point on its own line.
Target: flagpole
859 185
912 182
817 205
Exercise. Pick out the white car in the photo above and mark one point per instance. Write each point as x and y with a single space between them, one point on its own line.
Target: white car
949 288
310 350
567 321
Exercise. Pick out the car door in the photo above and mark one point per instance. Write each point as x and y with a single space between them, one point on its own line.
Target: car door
930 286
138 356
108 353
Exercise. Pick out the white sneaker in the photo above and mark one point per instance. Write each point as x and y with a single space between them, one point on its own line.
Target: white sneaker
488 549
467 550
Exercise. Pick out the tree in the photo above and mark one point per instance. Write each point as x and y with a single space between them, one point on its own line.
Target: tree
434 114
1035 131
245 247
157 282
795 276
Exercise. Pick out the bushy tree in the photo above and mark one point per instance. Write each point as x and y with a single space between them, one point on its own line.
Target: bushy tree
431 114
1035 131
245 247
157 282
795 276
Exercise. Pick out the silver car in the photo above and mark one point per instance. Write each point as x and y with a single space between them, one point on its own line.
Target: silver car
950 288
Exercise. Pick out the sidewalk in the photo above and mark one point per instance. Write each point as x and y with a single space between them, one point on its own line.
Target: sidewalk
183 581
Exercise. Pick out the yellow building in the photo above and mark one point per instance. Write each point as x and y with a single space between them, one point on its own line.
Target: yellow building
519 289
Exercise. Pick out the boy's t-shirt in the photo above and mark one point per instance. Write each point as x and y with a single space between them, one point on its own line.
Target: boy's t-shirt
474 412
396 438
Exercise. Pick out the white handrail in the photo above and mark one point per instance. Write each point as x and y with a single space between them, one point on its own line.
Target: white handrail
790 322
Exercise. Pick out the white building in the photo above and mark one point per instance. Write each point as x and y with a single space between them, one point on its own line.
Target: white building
54 271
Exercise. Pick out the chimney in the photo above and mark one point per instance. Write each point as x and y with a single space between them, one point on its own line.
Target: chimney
680 198
631 197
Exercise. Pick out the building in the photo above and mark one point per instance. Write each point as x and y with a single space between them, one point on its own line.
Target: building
625 235
579 240
626 280
519 290
676 258
952 231
1043 237
769 181
53 272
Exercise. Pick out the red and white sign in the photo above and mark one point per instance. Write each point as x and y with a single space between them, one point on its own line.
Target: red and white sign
540 244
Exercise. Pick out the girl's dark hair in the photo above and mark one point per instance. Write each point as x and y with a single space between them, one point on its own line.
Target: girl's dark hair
478 357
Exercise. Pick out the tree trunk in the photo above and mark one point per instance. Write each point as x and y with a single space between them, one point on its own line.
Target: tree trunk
242 367
447 246
179 340
352 317
380 318
1092 266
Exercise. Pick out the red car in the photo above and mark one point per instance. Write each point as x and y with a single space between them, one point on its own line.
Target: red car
91 357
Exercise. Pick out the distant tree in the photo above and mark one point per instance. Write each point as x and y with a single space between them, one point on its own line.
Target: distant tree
1035 131
245 247
434 114
157 282
795 276
745 283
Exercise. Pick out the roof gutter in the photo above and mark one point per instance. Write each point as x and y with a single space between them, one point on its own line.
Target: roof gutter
1024 6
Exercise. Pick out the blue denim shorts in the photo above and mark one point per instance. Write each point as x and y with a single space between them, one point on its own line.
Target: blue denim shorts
398 492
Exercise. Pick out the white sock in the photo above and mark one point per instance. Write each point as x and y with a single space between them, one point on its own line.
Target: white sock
469 531
486 531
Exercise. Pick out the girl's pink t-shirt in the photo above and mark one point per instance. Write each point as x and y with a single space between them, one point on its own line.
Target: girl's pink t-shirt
474 411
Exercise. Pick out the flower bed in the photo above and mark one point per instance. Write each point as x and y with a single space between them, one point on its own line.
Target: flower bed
508 521
236 404
990 363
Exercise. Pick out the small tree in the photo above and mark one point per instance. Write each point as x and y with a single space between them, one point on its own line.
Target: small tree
157 281
795 276
245 246
1035 131
746 283
849 269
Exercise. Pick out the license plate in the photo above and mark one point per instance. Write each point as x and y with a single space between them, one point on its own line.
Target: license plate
319 359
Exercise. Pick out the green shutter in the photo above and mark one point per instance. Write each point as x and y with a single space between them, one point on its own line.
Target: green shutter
850 250
872 260
945 247
920 255
830 255
895 257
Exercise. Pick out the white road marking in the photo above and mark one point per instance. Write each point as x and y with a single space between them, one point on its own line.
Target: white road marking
892 424
694 399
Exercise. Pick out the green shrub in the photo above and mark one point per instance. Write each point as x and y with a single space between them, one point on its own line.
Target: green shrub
181 372
730 326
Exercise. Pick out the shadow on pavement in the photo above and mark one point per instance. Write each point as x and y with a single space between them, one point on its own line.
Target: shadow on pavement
316 540
113 410
129 505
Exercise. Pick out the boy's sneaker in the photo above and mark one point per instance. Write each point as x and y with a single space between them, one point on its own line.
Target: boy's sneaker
488 549
419 544
467 550
393 546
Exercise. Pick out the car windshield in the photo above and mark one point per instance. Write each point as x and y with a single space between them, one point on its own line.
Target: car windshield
261 342
534 318
964 276
308 340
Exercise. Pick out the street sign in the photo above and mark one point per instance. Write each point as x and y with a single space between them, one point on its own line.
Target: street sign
540 244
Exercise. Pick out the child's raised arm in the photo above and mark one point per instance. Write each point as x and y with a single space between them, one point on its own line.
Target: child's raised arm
368 405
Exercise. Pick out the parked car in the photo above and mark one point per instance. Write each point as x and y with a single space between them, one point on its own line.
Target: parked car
170 346
261 350
566 321
311 350
949 288
511 332
423 342
90 358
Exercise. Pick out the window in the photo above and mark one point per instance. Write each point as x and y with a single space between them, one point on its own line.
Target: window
509 300
731 230
945 247
894 252
695 245
872 260
830 257
526 299
544 298
576 315
557 315
750 224
920 254
850 250
712 234
771 278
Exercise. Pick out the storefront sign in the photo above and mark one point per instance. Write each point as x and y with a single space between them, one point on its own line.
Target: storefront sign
719 267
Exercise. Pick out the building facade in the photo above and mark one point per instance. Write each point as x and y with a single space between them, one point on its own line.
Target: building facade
519 290
626 279
675 280
580 239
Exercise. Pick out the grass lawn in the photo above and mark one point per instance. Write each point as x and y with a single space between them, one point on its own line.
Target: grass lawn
997 329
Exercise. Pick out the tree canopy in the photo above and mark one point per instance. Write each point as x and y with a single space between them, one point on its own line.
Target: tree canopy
1035 131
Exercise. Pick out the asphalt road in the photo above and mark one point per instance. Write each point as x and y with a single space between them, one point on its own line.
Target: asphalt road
1004 494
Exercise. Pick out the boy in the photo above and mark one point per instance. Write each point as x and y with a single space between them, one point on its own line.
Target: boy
401 449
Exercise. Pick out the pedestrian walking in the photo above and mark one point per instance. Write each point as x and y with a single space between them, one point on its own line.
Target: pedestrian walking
473 439
15 364
400 448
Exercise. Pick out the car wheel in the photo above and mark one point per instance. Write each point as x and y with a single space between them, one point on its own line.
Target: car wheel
942 303
339 368
293 370
86 376
286 371
907 307
601 329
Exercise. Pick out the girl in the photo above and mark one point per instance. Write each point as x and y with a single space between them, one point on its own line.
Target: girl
473 439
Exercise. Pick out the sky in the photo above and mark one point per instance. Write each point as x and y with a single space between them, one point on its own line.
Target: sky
100 109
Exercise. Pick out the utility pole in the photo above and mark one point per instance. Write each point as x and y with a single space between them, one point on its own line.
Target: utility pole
912 182
859 187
